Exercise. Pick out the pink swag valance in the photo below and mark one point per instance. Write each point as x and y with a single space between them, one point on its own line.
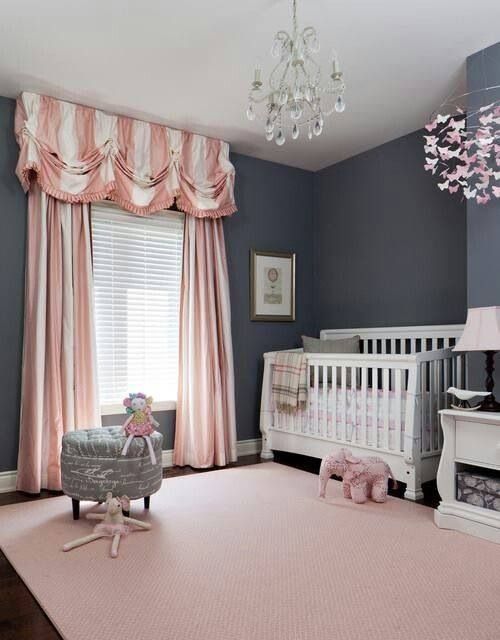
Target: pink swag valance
80 154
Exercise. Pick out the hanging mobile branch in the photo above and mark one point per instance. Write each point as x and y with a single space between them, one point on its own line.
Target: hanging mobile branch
463 149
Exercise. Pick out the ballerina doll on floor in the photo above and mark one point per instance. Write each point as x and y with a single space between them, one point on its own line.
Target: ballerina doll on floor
114 525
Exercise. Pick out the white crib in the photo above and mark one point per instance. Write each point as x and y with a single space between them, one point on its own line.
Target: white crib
400 378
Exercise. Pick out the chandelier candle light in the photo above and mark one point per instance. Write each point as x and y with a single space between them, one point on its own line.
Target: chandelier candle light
296 98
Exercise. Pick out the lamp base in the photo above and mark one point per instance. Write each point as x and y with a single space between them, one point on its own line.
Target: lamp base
490 404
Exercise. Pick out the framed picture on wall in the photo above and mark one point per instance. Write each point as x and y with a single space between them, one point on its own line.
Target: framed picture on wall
272 286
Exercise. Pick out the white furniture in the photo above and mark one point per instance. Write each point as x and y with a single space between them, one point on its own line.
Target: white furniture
400 377
471 438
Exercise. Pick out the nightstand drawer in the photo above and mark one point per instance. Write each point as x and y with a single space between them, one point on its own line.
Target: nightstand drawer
478 442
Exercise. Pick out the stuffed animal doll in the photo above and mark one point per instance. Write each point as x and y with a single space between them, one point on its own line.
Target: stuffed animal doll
114 524
140 422
362 477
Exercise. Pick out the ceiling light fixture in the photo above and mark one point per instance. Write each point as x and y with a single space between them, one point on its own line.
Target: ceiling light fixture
296 98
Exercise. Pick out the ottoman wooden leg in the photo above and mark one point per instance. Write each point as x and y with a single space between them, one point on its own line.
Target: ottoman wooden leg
76 508
146 502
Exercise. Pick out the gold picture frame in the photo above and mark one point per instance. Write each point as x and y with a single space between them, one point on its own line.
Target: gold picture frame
272 286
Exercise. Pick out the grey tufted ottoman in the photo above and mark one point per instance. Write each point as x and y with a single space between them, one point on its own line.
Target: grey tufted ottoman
92 465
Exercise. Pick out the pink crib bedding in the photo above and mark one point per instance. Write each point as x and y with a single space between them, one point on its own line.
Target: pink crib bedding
354 407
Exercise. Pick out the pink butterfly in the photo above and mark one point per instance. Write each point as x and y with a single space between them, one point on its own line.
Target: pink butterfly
457 124
432 140
453 189
430 149
470 193
431 126
444 152
486 119
432 161
442 118
483 199
453 136
443 185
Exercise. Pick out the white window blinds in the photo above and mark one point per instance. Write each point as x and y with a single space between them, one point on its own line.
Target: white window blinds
137 274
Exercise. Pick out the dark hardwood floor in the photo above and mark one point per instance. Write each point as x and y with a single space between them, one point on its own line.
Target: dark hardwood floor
21 618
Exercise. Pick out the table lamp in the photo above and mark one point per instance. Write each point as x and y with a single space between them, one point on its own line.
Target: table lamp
482 333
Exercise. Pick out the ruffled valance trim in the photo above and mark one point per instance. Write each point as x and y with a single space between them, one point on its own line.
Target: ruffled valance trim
81 155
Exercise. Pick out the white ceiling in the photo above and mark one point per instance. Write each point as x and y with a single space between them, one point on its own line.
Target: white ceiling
189 63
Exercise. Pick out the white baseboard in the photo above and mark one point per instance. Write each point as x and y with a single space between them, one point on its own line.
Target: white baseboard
244 448
248 447
8 481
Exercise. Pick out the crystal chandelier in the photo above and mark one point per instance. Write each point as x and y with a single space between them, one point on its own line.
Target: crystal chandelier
295 98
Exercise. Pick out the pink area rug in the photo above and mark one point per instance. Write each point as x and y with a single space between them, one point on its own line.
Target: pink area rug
250 553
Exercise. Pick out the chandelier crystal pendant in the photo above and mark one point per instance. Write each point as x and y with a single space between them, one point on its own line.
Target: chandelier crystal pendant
296 99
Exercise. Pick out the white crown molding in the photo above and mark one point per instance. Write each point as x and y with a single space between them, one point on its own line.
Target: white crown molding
243 448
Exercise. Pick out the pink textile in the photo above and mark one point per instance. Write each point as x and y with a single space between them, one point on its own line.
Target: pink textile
59 374
80 154
250 553
205 428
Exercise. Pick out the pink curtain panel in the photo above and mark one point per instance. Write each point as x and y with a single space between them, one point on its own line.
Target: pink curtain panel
205 432
59 373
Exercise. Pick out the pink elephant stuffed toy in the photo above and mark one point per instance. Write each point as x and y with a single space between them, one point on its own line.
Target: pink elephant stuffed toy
362 478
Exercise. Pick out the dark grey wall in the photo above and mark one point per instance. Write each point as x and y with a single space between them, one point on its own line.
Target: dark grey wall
275 213
13 225
483 221
390 247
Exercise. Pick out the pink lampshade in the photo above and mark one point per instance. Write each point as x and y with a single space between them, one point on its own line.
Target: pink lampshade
481 331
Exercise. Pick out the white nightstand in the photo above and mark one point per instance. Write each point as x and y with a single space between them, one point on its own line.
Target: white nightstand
470 438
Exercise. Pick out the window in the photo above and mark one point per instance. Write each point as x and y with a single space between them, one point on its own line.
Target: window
137 275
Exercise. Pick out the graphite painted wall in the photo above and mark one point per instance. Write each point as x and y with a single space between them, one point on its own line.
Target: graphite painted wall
483 221
275 213
390 247
13 225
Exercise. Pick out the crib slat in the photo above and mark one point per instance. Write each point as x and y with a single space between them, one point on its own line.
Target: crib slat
413 345
364 403
324 390
399 435
384 346
385 388
432 400
446 343
315 428
425 408
458 382
353 434
393 345
434 344
343 417
374 416
439 396
334 403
